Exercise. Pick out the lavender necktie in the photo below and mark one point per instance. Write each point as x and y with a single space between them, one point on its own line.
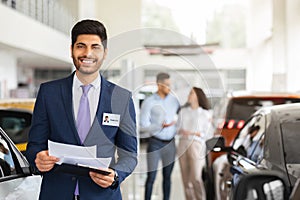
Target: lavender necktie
83 119
83 116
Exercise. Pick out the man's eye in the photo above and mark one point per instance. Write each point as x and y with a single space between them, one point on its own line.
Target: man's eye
80 46
97 47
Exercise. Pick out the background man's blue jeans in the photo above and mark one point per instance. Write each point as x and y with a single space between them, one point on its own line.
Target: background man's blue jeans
165 151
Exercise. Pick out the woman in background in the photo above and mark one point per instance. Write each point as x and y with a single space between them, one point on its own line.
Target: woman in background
193 124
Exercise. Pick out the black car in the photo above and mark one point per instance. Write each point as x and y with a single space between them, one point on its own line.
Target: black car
268 141
229 117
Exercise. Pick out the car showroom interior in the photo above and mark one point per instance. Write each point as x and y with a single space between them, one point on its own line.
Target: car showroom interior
215 84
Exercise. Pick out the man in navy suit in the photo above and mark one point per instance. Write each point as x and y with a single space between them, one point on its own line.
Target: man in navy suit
55 118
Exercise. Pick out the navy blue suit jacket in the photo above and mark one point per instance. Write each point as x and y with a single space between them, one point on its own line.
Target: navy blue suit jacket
53 119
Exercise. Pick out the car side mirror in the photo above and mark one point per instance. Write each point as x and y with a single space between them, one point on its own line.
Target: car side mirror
216 144
261 185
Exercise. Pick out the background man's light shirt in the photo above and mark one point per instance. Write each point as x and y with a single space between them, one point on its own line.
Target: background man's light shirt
169 106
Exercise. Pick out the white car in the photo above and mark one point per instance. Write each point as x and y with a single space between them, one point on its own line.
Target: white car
17 181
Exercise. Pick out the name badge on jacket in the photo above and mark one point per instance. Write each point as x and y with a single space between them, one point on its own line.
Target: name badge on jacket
110 119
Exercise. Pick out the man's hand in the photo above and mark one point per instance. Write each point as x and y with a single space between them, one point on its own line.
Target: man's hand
103 180
164 125
44 162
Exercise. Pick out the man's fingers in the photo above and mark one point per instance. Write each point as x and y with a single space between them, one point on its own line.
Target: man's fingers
103 180
44 156
100 180
44 162
44 168
47 158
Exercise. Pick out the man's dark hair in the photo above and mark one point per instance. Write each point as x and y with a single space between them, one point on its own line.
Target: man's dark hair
161 77
89 26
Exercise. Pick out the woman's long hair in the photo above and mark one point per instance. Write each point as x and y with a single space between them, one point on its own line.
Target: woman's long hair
202 99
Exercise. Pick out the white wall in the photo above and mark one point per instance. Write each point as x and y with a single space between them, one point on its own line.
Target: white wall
86 9
279 39
259 44
22 32
119 16
8 73
293 45
274 45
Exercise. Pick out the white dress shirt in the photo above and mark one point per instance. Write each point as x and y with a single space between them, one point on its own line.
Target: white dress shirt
93 96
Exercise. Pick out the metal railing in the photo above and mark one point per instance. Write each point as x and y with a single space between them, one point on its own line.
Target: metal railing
49 12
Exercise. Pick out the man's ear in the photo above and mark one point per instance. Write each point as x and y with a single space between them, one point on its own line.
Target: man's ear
71 49
105 53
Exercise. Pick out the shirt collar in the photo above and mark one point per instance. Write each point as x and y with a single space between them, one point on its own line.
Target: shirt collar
95 84
159 98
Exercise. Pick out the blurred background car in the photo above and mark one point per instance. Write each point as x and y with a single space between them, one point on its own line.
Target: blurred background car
236 107
229 117
15 119
17 180
268 141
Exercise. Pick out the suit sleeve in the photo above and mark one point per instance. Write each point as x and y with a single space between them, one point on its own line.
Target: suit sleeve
39 131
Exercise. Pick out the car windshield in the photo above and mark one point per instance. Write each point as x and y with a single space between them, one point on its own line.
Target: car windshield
242 108
246 135
291 138
16 124
250 140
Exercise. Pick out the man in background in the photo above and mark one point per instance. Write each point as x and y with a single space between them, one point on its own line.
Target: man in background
157 119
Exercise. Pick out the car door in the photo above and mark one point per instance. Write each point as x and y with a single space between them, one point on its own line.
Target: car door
290 138
16 179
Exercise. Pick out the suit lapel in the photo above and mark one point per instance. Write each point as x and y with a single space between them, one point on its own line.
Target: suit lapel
66 92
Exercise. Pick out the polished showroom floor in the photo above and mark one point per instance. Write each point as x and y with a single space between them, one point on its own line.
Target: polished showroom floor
134 186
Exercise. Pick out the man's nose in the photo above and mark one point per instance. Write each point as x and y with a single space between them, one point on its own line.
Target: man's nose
88 51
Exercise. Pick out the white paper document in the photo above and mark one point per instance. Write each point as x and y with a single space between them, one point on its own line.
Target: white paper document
77 155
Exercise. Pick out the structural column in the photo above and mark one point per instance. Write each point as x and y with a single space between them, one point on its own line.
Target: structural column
293 45
279 41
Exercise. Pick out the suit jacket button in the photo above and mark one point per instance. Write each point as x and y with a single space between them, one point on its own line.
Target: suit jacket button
73 178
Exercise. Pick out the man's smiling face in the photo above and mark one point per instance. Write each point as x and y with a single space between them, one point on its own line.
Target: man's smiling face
88 53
